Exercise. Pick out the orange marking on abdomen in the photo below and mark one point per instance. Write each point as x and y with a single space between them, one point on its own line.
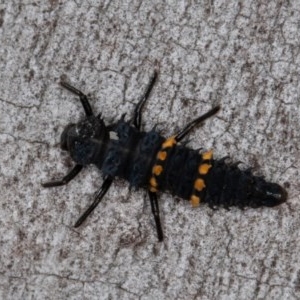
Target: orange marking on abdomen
204 168
195 201
153 182
207 155
157 169
162 155
170 142
199 184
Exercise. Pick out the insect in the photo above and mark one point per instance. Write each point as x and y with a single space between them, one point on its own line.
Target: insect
148 160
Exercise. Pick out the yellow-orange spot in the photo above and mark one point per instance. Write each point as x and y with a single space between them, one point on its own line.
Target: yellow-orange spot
207 155
199 184
195 201
153 182
157 169
162 155
203 169
152 189
168 143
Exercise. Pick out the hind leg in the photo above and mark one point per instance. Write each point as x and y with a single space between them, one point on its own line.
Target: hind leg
155 212
186 130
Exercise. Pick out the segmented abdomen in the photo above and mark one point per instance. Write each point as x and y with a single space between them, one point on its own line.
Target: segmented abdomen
227 186
146 159
182 171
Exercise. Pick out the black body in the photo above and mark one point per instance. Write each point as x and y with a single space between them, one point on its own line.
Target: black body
148 160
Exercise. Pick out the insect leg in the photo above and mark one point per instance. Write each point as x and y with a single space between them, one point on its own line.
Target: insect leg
71 175
83 98
179 136
155 212
137 118
99 195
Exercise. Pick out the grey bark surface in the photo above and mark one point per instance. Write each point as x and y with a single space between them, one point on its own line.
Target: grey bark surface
243 56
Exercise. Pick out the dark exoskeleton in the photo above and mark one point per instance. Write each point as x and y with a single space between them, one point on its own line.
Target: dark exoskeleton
148 160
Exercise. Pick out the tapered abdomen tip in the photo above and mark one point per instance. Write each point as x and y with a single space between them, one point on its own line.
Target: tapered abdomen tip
276 195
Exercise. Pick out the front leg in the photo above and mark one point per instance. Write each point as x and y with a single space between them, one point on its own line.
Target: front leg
99 195
71 175
83 98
